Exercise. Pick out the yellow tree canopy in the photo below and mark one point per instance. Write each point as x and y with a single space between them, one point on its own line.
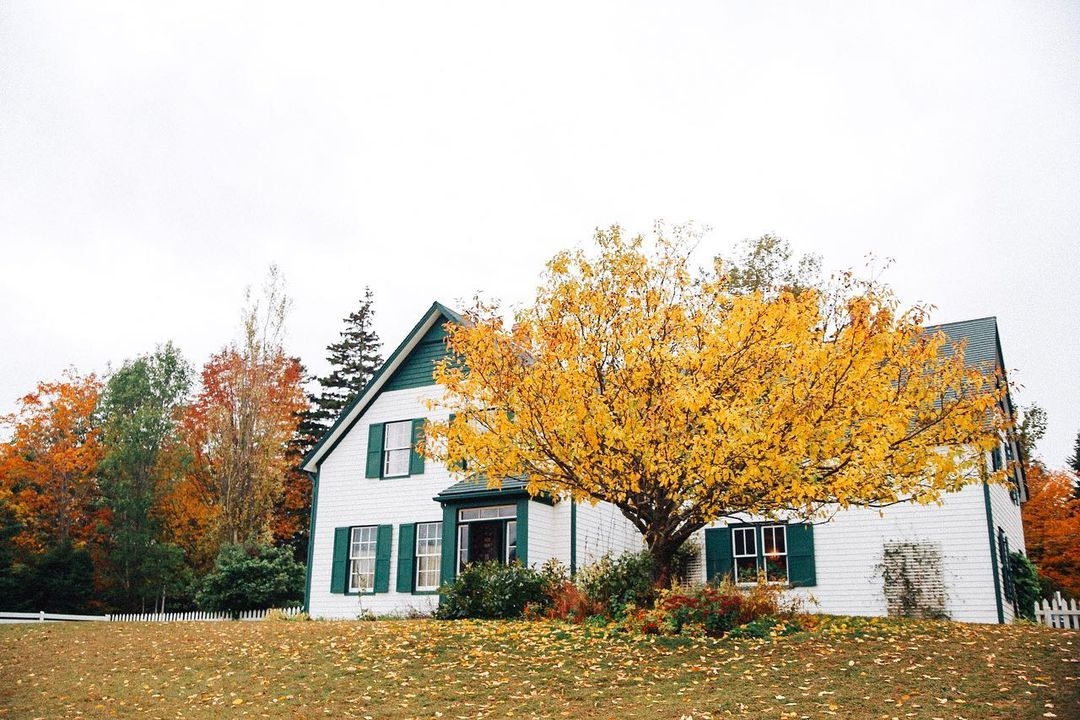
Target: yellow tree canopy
636 380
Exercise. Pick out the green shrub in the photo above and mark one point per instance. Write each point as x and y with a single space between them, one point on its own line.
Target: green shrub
617 583
1025 584
492 590
252 577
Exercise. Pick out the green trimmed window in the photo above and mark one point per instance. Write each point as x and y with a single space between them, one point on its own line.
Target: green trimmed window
428 555
419 557
783 553
392 449
361 563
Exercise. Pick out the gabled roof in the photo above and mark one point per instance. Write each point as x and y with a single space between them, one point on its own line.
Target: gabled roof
476 487
983 345
437 313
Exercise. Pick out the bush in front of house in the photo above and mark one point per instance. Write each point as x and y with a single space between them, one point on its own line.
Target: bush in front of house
616 583
492 590
252 577
1025 584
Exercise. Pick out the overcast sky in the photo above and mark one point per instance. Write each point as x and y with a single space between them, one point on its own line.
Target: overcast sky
156 158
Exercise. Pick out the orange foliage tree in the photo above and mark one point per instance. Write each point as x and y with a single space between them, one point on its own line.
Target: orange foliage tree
1052 526
241 423
47 468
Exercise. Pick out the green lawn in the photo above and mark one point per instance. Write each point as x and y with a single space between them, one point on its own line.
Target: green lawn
401 669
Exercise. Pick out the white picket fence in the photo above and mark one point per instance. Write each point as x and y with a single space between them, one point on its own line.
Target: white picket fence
1058 612
14 617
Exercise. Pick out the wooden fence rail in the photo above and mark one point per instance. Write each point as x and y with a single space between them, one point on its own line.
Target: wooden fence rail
196 615
1058 612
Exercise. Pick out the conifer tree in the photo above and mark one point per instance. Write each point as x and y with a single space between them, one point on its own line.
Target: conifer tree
353 360
1074 465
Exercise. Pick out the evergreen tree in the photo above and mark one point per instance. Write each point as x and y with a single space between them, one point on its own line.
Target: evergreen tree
1074 465
353 360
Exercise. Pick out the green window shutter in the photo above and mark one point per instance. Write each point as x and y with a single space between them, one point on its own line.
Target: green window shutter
416 460
339 570
374 451
800 547
382 558
405 552
717 554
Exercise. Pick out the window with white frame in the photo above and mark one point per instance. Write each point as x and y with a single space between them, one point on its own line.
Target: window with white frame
397 447
511 541
428 555
362 544
774 552
744 553
463 547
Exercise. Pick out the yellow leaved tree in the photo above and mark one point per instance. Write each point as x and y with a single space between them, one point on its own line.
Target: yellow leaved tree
682 396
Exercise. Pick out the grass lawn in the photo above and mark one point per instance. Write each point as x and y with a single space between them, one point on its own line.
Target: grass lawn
854 668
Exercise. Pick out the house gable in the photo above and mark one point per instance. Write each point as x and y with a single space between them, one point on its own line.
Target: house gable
415 353
418 367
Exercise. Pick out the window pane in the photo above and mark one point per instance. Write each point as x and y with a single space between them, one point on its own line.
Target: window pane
774 543
428 555
362 558
463 546
744 542
511 541
398 435
397 446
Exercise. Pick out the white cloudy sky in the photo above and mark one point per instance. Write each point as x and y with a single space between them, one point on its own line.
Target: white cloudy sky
156 158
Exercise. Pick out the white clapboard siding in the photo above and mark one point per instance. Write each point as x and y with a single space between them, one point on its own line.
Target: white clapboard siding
1058 612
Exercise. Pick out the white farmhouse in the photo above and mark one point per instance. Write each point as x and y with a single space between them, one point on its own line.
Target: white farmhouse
387 528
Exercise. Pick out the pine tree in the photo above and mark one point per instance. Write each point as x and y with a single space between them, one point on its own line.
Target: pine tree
1074 465
353 360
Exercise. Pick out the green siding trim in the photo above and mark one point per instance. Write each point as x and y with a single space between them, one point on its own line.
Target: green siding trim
993 552
523 531
311 539
405 552
418 368
448 564
573 537
339 569
382 558
416 458
376 432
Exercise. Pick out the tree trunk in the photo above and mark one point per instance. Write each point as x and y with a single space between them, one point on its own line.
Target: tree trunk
662 550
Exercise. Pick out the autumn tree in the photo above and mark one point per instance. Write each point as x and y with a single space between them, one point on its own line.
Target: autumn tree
144 458
243 419
1029 431
1052 527
681 399
48 468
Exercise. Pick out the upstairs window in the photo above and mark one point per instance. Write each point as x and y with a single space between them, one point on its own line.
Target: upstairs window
392 449
397 446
